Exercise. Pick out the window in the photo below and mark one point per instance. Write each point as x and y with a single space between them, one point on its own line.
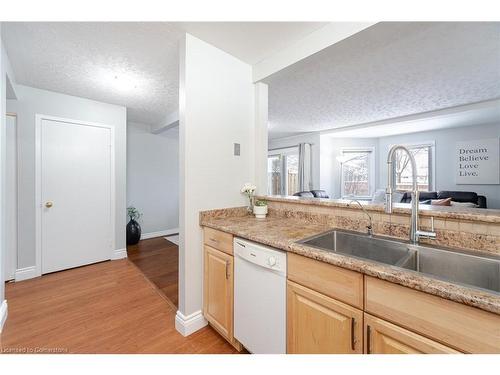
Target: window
287 160
402 168
357 173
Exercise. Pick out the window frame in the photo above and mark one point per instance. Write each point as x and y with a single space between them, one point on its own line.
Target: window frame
283 152
371 172
431 162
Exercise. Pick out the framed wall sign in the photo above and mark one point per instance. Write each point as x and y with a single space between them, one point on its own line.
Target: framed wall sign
477 162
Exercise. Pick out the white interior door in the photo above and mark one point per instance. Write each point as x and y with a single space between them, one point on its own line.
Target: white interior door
76 196
11 198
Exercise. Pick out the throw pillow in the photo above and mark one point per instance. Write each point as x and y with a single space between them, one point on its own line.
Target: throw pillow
464 204
441 202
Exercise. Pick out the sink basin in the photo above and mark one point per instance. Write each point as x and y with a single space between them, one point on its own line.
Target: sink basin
455 266
459 267
363 246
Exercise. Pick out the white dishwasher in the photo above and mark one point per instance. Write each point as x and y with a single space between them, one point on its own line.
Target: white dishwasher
259 297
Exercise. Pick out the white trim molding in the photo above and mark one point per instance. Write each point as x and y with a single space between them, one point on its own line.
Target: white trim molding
161 233
119 254
3 314
189 324
26 273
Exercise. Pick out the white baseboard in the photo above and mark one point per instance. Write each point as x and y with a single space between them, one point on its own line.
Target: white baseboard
189 324
161 233
26 273
119 254
3 314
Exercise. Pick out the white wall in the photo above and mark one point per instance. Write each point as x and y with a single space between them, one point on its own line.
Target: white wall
3 99
314 139
153 177
216 109
445 141
33 101
7 86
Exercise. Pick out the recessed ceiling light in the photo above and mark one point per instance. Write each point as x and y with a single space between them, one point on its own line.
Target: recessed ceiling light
119 80
124 83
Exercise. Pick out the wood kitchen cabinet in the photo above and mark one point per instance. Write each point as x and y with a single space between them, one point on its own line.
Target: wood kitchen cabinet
218 291
318 324
382 337
462 327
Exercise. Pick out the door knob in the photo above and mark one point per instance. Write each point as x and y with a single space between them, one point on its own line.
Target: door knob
48 204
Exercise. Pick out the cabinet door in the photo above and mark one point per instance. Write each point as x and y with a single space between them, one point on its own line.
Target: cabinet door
382 337
318 324
218 290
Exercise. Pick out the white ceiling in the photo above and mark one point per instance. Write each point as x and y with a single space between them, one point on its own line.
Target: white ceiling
487 112
83 59
251 42
387 71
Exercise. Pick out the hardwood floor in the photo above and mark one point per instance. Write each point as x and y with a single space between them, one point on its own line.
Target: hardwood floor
158 259
108 307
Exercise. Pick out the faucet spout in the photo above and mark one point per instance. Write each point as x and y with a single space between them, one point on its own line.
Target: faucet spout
369 228
414 231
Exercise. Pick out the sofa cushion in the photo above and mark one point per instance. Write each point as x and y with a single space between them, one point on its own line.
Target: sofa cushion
319 194
458 196
441 202
464 204
304 194
422 196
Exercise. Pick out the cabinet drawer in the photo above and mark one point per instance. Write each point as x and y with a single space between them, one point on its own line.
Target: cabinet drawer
339 283
386 338
463 327
218 240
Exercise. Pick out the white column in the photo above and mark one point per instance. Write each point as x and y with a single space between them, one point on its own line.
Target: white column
261 142
216 110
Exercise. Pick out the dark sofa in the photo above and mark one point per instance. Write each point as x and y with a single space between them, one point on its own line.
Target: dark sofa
312 194
424 196
456 196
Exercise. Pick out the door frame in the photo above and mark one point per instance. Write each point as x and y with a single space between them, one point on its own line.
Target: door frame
11 274
38 182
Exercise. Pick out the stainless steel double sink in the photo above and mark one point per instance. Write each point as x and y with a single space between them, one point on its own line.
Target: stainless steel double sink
449 265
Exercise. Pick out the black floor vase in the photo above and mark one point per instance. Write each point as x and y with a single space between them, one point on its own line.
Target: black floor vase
133 232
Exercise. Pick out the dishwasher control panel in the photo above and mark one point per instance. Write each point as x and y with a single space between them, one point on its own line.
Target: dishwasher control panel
260 255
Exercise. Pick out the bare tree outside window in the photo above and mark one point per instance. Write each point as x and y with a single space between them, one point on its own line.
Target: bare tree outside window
356 174
403 172
283 173
274 166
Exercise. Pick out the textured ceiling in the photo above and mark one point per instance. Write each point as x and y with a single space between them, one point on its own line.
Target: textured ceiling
388 70
83 59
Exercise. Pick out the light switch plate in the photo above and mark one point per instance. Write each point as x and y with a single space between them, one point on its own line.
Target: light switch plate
236 149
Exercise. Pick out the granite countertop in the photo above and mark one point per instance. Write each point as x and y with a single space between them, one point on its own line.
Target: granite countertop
457 213
284 233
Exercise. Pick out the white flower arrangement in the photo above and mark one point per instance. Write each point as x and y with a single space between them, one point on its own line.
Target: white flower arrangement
249 189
